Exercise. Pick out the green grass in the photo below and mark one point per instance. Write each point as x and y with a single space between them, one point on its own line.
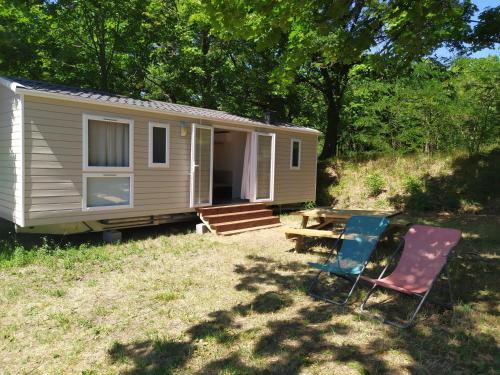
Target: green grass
15 255
51 254
167 296
166 301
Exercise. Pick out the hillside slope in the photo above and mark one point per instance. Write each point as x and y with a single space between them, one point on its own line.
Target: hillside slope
454 183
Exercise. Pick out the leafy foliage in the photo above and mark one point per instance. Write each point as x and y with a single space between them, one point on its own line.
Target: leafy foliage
477 101
431 109
320 42
355 70
486 33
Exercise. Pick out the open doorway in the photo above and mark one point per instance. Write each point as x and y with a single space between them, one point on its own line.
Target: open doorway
229 155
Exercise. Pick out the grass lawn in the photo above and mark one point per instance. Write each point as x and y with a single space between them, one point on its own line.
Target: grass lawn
168 301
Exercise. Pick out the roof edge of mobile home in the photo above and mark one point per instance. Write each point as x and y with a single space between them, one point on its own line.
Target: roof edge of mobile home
57 91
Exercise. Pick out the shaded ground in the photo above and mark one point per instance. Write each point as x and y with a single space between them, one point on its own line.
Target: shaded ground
181 303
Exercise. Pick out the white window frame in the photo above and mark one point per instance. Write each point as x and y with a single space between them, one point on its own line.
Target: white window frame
107 175
255 136
86 167
151 164
292 141
194 126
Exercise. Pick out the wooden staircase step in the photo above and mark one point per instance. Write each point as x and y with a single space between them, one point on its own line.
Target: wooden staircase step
237 216
231 208
238 231
244 224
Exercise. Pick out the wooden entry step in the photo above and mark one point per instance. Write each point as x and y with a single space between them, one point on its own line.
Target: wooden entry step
238 231
244 224
230 208
237 218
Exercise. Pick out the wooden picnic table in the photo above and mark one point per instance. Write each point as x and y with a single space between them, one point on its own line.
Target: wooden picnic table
326 216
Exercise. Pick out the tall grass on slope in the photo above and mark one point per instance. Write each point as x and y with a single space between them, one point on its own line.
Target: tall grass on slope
455 183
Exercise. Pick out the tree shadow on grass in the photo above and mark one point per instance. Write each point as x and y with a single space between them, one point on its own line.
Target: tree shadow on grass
265 272
294 343
458 339
297 336
151 356
450 341
221 327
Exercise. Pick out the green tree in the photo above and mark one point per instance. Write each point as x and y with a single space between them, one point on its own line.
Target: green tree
23 43
94 40
486 33
192 65
320 42
477 110
410 113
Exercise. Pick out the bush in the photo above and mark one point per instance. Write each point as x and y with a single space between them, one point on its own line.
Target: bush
309 205
412 185
374 183
417 200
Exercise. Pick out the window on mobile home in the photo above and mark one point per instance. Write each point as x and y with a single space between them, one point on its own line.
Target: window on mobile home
295 154
106 191
107 148
159 145
107 143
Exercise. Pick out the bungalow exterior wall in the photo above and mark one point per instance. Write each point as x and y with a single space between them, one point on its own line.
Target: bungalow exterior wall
11 161
53 145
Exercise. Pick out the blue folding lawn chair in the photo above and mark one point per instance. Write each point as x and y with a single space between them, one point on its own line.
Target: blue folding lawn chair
359 238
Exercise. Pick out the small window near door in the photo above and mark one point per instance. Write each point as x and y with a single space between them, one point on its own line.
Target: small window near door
295 154
159 144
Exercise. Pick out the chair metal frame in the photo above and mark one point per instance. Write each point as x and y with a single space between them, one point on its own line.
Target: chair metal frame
422 297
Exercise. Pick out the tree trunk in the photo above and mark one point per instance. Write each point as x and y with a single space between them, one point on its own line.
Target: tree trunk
334 83
101 42
103 76
332 128
209 101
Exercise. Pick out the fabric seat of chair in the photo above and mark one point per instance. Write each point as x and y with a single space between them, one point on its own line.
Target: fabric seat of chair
355 252
425 252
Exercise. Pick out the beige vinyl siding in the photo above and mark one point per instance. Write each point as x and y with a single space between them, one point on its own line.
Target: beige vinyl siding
53 131
11 171
295 185
54 164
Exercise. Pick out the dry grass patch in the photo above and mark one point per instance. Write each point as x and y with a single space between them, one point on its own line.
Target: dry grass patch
168 301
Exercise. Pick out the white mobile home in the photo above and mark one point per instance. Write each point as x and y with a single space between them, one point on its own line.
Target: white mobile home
74 160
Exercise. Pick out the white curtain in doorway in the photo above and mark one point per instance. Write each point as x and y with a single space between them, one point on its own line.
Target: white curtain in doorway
248 167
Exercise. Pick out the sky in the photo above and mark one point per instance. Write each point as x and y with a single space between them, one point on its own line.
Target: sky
443 52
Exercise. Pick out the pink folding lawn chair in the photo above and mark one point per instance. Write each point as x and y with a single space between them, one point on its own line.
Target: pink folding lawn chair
425 254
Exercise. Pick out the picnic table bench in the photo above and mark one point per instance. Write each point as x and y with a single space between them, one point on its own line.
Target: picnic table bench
326 216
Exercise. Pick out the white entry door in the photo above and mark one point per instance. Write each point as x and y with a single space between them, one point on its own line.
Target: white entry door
202 151
264 146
